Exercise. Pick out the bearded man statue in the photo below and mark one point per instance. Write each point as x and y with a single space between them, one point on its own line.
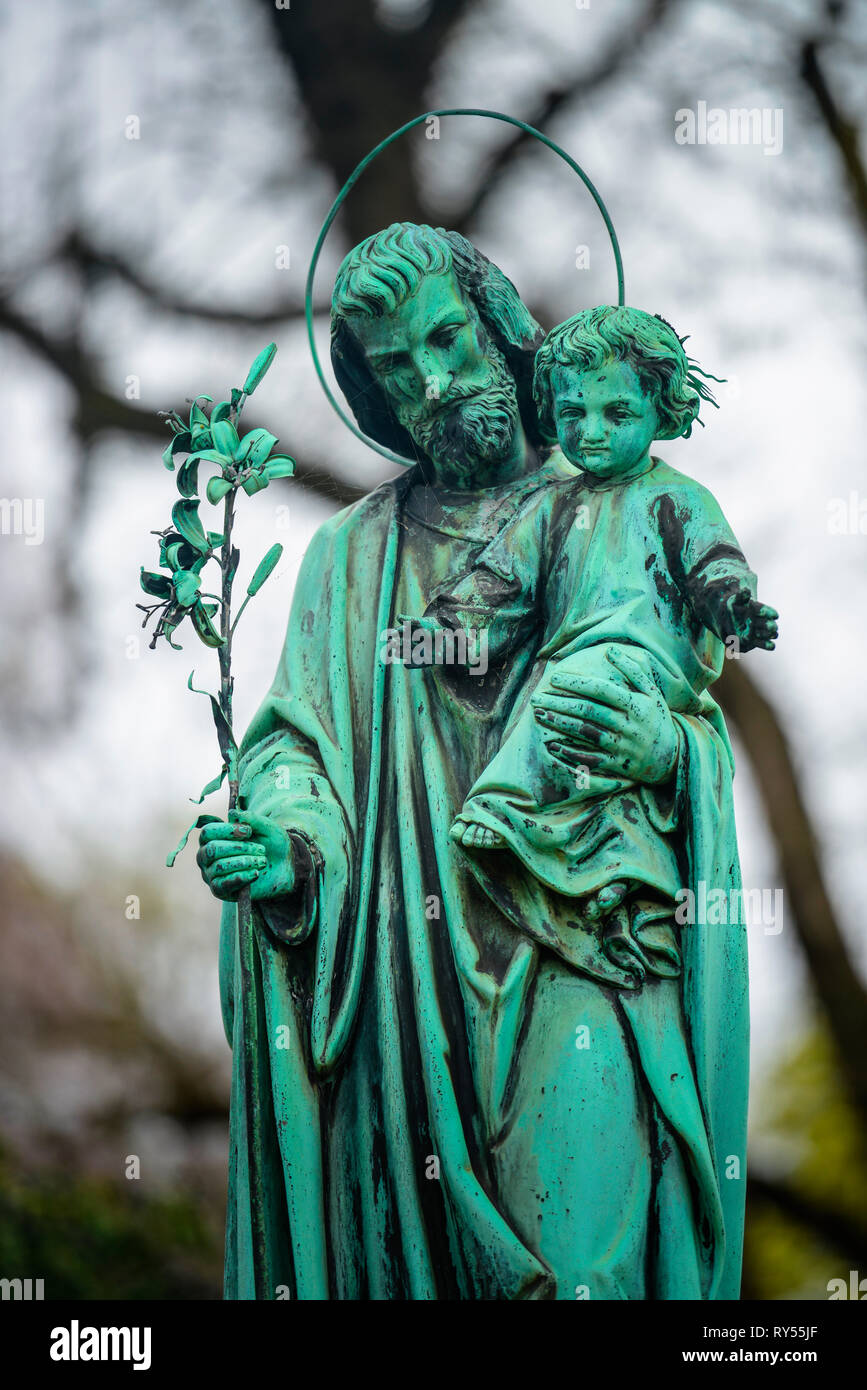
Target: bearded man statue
405 1048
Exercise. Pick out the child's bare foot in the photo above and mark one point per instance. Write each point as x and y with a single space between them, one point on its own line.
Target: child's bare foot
606 900
473 836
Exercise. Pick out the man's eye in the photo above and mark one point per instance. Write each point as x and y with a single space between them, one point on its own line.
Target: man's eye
444 336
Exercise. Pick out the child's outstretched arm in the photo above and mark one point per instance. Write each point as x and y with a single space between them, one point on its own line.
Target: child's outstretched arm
727 604
712 573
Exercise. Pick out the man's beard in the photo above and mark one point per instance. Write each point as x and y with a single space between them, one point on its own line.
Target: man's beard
469 425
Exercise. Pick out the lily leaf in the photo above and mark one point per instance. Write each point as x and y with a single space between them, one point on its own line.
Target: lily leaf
225 737
259 368
264 568
234 562
197 824
236 393
213 786
157 585
217 489
279 466
185 518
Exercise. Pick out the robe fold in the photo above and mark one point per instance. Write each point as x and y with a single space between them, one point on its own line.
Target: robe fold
432 1128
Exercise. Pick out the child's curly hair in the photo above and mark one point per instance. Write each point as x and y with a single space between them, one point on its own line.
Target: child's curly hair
647 342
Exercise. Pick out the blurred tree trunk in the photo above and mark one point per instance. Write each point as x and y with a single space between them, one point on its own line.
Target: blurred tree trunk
838 988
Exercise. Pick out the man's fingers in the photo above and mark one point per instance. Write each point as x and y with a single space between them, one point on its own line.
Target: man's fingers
235 874
227 867
572 757
601 715
569 754
257 826
225 830
232 883
227 849
603 765
638 678
579 730
603 776
590 688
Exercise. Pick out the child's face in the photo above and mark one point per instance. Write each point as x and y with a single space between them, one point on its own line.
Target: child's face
605 421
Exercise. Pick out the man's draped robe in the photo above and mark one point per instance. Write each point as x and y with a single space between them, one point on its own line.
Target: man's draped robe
433 1125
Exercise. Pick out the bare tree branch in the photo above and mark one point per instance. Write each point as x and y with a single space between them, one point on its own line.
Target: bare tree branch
620 52
95 262
843 132
98 412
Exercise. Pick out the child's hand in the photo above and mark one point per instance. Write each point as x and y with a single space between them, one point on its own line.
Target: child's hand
471 835
753 623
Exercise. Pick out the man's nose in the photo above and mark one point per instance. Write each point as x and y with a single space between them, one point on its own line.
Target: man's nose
430 368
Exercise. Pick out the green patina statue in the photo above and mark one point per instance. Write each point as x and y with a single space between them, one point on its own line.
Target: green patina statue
490 1058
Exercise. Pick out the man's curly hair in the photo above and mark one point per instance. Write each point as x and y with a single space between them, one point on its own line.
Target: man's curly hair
647 342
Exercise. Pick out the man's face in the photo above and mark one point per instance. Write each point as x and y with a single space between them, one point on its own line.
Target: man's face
447 382
605 421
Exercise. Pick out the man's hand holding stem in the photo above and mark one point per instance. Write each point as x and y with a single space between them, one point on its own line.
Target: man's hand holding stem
247 850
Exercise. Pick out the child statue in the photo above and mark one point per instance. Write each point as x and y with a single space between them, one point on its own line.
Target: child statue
636 576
